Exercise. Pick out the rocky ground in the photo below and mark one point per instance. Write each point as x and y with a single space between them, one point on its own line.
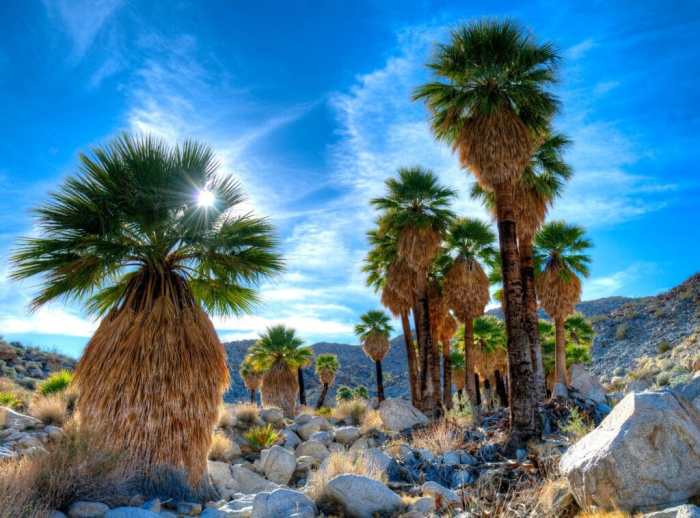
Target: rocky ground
25 366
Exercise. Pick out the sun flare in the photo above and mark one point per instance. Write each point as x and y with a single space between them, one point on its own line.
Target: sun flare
205 199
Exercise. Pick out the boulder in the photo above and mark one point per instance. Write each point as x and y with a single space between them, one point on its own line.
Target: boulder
250 482
556 500
424 506
315 424
645 453
291 439
377 458
586 384
443 496
690 390
241 506
680 511
283 503
16 421
398 414
82 509
272 415
347 434
362 497
131 512
222 479
325 438
313 449
278 464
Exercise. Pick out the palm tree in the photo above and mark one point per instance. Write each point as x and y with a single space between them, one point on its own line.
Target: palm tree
560 250
326 367
468 242
416 210
386 275
579 337
492 106
280 353
374 330
251 375
458 372
127 236
490 356
541 183
344 393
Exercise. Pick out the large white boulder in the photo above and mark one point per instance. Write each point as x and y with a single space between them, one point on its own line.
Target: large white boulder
250 482
16 421
315 424
283 503
314 449
398 414
347 434
222 479
278 464
645 453
587 384
362 497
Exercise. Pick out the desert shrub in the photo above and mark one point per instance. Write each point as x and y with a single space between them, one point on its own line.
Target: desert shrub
577 426
622 331
261 437
246 413
353 410
372 420
664 346
56 382
49 409
344 393
227 418
324 411
663 379
10 399
360 392
461 412
221 448
16 490
341 463
439 437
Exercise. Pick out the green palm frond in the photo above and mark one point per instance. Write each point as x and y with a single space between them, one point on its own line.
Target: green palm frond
374 322
564 247
471 239
280 344
327 362
133 207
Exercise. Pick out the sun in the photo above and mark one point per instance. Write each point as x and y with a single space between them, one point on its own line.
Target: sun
205 199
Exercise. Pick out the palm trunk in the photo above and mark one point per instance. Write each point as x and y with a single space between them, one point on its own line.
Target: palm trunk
446 375
523 399
560 389
302 392
501 388
422 358
527 270
436 376
410 358
469 360
477 389
380 381
252 396
322 397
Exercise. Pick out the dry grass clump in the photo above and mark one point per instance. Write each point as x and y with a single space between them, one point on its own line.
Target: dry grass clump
261 437
439 437
227 417
246 413
353 410
221 448
372 420
341 463
577 426
50 410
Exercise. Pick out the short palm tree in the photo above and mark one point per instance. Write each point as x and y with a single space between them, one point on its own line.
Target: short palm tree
457 365
280 353
561 251
344 393
374 330
326 367
490 102
131 236
251 374
469 243
490 358
416 209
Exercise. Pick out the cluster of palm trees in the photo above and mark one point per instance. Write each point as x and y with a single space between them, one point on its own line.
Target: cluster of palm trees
491 101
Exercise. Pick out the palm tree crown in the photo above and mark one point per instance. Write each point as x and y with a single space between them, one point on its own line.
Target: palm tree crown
471 239
129 228
374 322
280 344
326 366
562 247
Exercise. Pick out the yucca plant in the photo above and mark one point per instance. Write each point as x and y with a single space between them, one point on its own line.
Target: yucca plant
56 382
251 374
561 252
326 367
280 353
151 237
373 330
262 437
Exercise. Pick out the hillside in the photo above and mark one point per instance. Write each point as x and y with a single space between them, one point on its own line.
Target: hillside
28 365
626 329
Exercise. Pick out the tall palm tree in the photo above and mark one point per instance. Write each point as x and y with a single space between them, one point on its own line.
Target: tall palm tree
280 353
416 209
385 275
579 337
468 243
251 374
561 251
490 358
131 237
326 367
492 105
374 330
541 183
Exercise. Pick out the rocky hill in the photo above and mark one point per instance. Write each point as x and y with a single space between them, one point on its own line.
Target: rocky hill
626 329
27 365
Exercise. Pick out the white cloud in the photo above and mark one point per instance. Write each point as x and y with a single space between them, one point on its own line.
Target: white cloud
580 49
48 320
82 20
615 283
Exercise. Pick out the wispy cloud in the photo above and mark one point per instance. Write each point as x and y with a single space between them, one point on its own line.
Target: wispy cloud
82 20
616 283
580 49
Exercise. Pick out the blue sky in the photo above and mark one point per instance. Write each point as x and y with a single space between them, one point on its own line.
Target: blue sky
308 104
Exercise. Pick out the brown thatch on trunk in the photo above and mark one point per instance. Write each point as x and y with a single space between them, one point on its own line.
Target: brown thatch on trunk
466 288
448 329
419 246
437 310
530 211
152 378
558 292
496 147
280 386
485 363
326 376
252 381
394 301
376 346
458 378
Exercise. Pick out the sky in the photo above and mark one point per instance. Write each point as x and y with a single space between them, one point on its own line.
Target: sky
309 105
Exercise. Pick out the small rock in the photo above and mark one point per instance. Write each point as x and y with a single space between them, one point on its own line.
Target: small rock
334 447
283 503
362 497
82 509
347 434
323 437
241 506
189 508
681 511
444 497
360 444
133 512
451 458
462 478
316 424
423 506
377 458
302 419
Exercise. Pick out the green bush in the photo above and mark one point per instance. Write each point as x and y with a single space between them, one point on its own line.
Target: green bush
344 393
56 382
577 426
663 379
360 392
621 331
261 437
664 346
9 399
